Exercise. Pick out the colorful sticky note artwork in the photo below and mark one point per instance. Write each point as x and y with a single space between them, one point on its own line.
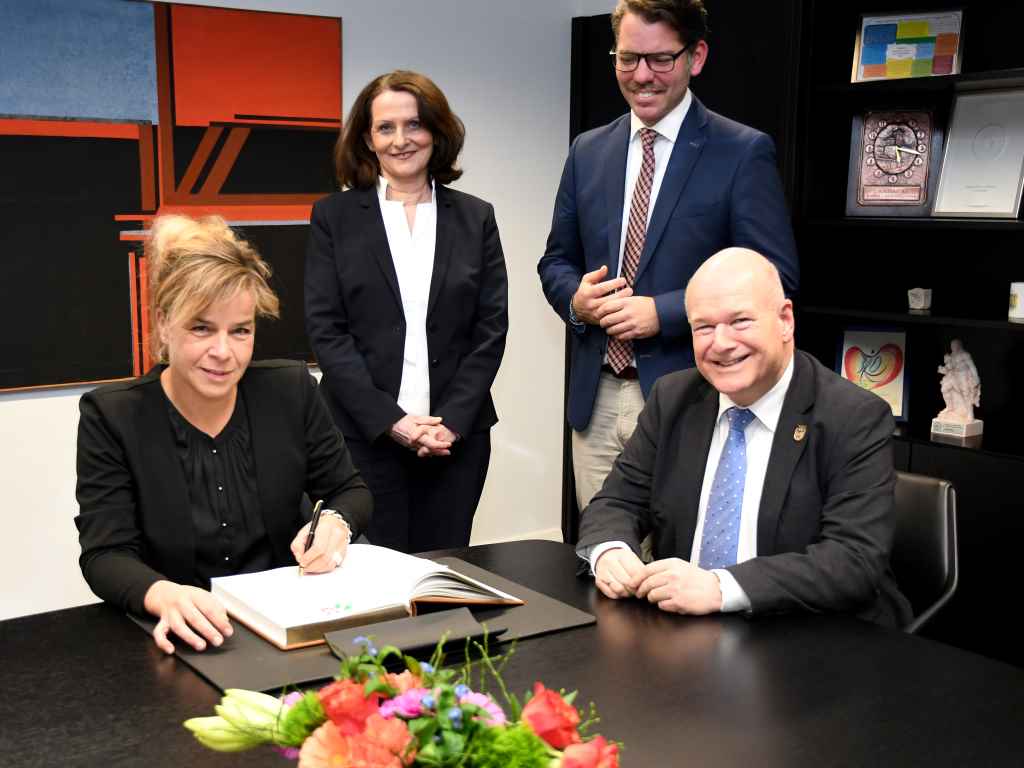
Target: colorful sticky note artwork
920 45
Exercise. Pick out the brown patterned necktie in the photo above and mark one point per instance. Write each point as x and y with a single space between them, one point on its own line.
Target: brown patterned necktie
620 353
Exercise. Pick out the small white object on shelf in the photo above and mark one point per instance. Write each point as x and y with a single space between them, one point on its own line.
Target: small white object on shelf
919 298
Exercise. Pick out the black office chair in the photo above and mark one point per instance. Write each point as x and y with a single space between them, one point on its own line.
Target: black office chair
924 550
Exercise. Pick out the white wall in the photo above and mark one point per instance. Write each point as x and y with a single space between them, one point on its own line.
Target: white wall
505 68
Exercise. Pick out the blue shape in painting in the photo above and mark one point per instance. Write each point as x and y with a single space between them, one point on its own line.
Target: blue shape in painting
872 54
925 51
879 34
77 58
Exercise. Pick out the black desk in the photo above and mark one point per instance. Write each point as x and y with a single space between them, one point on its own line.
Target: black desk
85 687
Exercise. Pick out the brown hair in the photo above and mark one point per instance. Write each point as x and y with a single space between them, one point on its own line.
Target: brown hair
194 263
689 18
355 165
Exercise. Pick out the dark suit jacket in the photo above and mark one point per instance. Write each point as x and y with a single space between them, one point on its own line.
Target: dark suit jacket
824 527
356 324
721 188
134 524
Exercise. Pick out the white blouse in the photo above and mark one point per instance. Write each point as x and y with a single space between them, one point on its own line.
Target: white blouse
413 256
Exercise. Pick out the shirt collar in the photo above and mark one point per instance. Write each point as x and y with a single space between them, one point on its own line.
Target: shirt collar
668 127
768 407
382 189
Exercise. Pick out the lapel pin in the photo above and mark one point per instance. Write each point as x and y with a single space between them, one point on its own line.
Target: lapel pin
799 432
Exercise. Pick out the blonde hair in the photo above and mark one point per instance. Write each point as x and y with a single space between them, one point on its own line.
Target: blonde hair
193 263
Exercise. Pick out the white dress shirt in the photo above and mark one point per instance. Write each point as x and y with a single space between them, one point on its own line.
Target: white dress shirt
759 435
413 255
668 131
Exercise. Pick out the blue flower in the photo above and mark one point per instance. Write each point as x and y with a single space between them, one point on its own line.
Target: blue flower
426 667
372 650
455 715
461 690
428 701
361 640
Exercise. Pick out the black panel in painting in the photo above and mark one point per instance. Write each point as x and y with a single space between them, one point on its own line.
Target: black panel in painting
283 161
284 248
64 297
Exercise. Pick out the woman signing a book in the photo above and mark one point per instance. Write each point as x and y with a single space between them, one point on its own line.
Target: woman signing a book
407 311
198 468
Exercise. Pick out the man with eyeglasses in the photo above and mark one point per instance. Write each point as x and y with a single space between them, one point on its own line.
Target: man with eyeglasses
643 201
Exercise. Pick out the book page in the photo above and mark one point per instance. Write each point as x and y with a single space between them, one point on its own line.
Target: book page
454 585
370 578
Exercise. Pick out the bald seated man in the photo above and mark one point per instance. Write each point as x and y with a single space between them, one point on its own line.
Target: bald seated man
765 479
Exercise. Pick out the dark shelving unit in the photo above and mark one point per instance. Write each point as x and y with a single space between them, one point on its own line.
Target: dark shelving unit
856 272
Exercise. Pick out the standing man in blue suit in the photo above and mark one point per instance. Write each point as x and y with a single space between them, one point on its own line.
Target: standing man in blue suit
643 201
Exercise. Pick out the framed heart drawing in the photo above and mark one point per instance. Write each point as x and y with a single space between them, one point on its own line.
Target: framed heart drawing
876 360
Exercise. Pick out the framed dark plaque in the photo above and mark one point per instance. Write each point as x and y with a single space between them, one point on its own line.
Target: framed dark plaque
894 163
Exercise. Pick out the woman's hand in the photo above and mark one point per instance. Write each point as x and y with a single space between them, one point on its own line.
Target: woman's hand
409 429
436 441
193 614
330 545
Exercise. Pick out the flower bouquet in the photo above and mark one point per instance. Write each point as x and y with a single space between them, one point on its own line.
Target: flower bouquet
424 715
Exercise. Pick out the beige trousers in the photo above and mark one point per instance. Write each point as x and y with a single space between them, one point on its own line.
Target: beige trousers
594 450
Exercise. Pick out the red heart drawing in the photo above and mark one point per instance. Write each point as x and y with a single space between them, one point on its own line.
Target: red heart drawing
873 369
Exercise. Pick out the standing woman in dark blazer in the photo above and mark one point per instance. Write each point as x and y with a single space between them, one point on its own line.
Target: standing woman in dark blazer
407 311
198 468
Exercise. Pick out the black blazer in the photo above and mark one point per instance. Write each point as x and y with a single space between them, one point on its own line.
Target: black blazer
356 324
825 525
133 519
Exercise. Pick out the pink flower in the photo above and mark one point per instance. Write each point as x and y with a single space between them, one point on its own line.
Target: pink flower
482 700
407 705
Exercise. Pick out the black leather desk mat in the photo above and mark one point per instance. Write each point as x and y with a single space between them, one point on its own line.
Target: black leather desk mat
246 660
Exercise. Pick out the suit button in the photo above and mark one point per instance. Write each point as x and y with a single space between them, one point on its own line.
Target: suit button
434 363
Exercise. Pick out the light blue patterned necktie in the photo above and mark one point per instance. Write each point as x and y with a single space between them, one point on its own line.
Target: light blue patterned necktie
721 535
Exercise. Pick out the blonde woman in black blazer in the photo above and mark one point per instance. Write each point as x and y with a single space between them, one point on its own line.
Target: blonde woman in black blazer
406 309
198 469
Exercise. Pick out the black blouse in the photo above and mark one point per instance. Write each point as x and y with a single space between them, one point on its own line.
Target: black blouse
224 505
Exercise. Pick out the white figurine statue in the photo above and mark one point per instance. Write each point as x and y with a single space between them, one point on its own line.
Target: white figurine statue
960 385
961 391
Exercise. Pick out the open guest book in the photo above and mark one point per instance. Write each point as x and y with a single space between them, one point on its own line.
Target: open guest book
373 584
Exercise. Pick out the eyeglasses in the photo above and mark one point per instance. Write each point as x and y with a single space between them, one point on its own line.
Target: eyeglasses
627 61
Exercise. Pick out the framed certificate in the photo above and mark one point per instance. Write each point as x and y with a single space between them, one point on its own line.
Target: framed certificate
983 167
907 45
875 360
894 163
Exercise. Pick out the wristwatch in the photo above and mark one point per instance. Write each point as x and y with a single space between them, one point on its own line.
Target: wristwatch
338 515
572 315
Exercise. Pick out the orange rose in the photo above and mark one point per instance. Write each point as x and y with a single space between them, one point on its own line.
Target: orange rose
346 706
324 748
383 743
551 718
596 753
403 682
